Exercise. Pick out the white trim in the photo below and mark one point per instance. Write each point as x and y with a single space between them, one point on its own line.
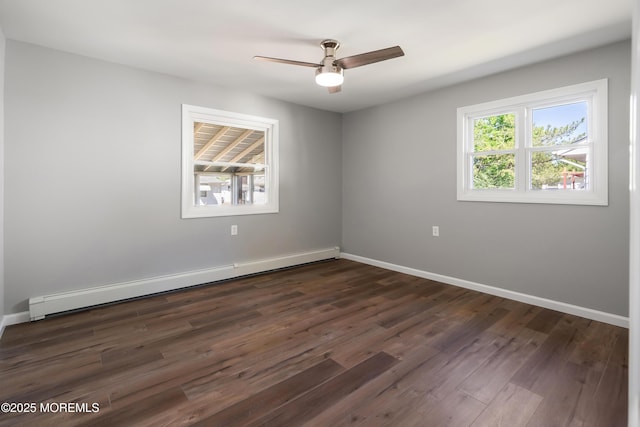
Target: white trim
594 92
634 226
588 313
270 127
49 304
13 319
41 306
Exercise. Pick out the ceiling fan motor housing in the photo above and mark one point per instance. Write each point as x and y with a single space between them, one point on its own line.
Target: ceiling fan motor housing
329 73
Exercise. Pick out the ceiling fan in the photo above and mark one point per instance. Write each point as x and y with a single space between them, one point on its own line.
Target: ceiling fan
329 71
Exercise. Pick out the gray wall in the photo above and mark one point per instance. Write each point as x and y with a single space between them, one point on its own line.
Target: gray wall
399 179
93 177
92 184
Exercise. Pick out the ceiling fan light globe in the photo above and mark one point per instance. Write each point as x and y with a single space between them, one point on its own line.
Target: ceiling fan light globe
329 78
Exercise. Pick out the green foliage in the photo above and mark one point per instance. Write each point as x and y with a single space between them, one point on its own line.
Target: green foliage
547 169
552 136
497 133
494 171
494 133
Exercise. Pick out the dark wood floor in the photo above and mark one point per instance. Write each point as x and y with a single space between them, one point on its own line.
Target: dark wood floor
330 344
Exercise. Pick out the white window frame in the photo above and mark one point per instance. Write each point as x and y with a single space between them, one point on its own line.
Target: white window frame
270 127
594 93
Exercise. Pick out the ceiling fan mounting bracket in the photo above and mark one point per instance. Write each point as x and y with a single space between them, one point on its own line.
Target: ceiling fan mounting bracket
329 46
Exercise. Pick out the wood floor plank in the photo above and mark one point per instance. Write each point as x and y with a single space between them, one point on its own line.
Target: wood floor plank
607 407
545 321
381 400
519 315
404 312
440 379
549 359
335 343
262 403
468 331
511 406
140 412
559 404
457 409
231 390
317 400
485 383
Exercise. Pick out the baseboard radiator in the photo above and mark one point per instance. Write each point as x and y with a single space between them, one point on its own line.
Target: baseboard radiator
41 306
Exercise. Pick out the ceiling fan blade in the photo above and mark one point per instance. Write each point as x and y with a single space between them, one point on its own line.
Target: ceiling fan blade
370 57
286 61
334 89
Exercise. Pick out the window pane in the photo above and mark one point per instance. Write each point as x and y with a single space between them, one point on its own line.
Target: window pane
560 125
564 169
494 133
229 163
218 148
531 146
238 152
214 189
259 193
251 189
494 171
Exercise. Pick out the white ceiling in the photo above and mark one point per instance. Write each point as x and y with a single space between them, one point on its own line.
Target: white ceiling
445 41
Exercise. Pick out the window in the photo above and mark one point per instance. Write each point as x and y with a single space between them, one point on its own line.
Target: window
545 147
229 163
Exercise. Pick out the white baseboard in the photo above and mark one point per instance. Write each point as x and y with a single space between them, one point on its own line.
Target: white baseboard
41 306
55 303
13 319
587 313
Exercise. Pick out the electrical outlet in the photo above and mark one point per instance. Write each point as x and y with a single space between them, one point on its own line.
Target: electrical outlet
435 231
234 230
